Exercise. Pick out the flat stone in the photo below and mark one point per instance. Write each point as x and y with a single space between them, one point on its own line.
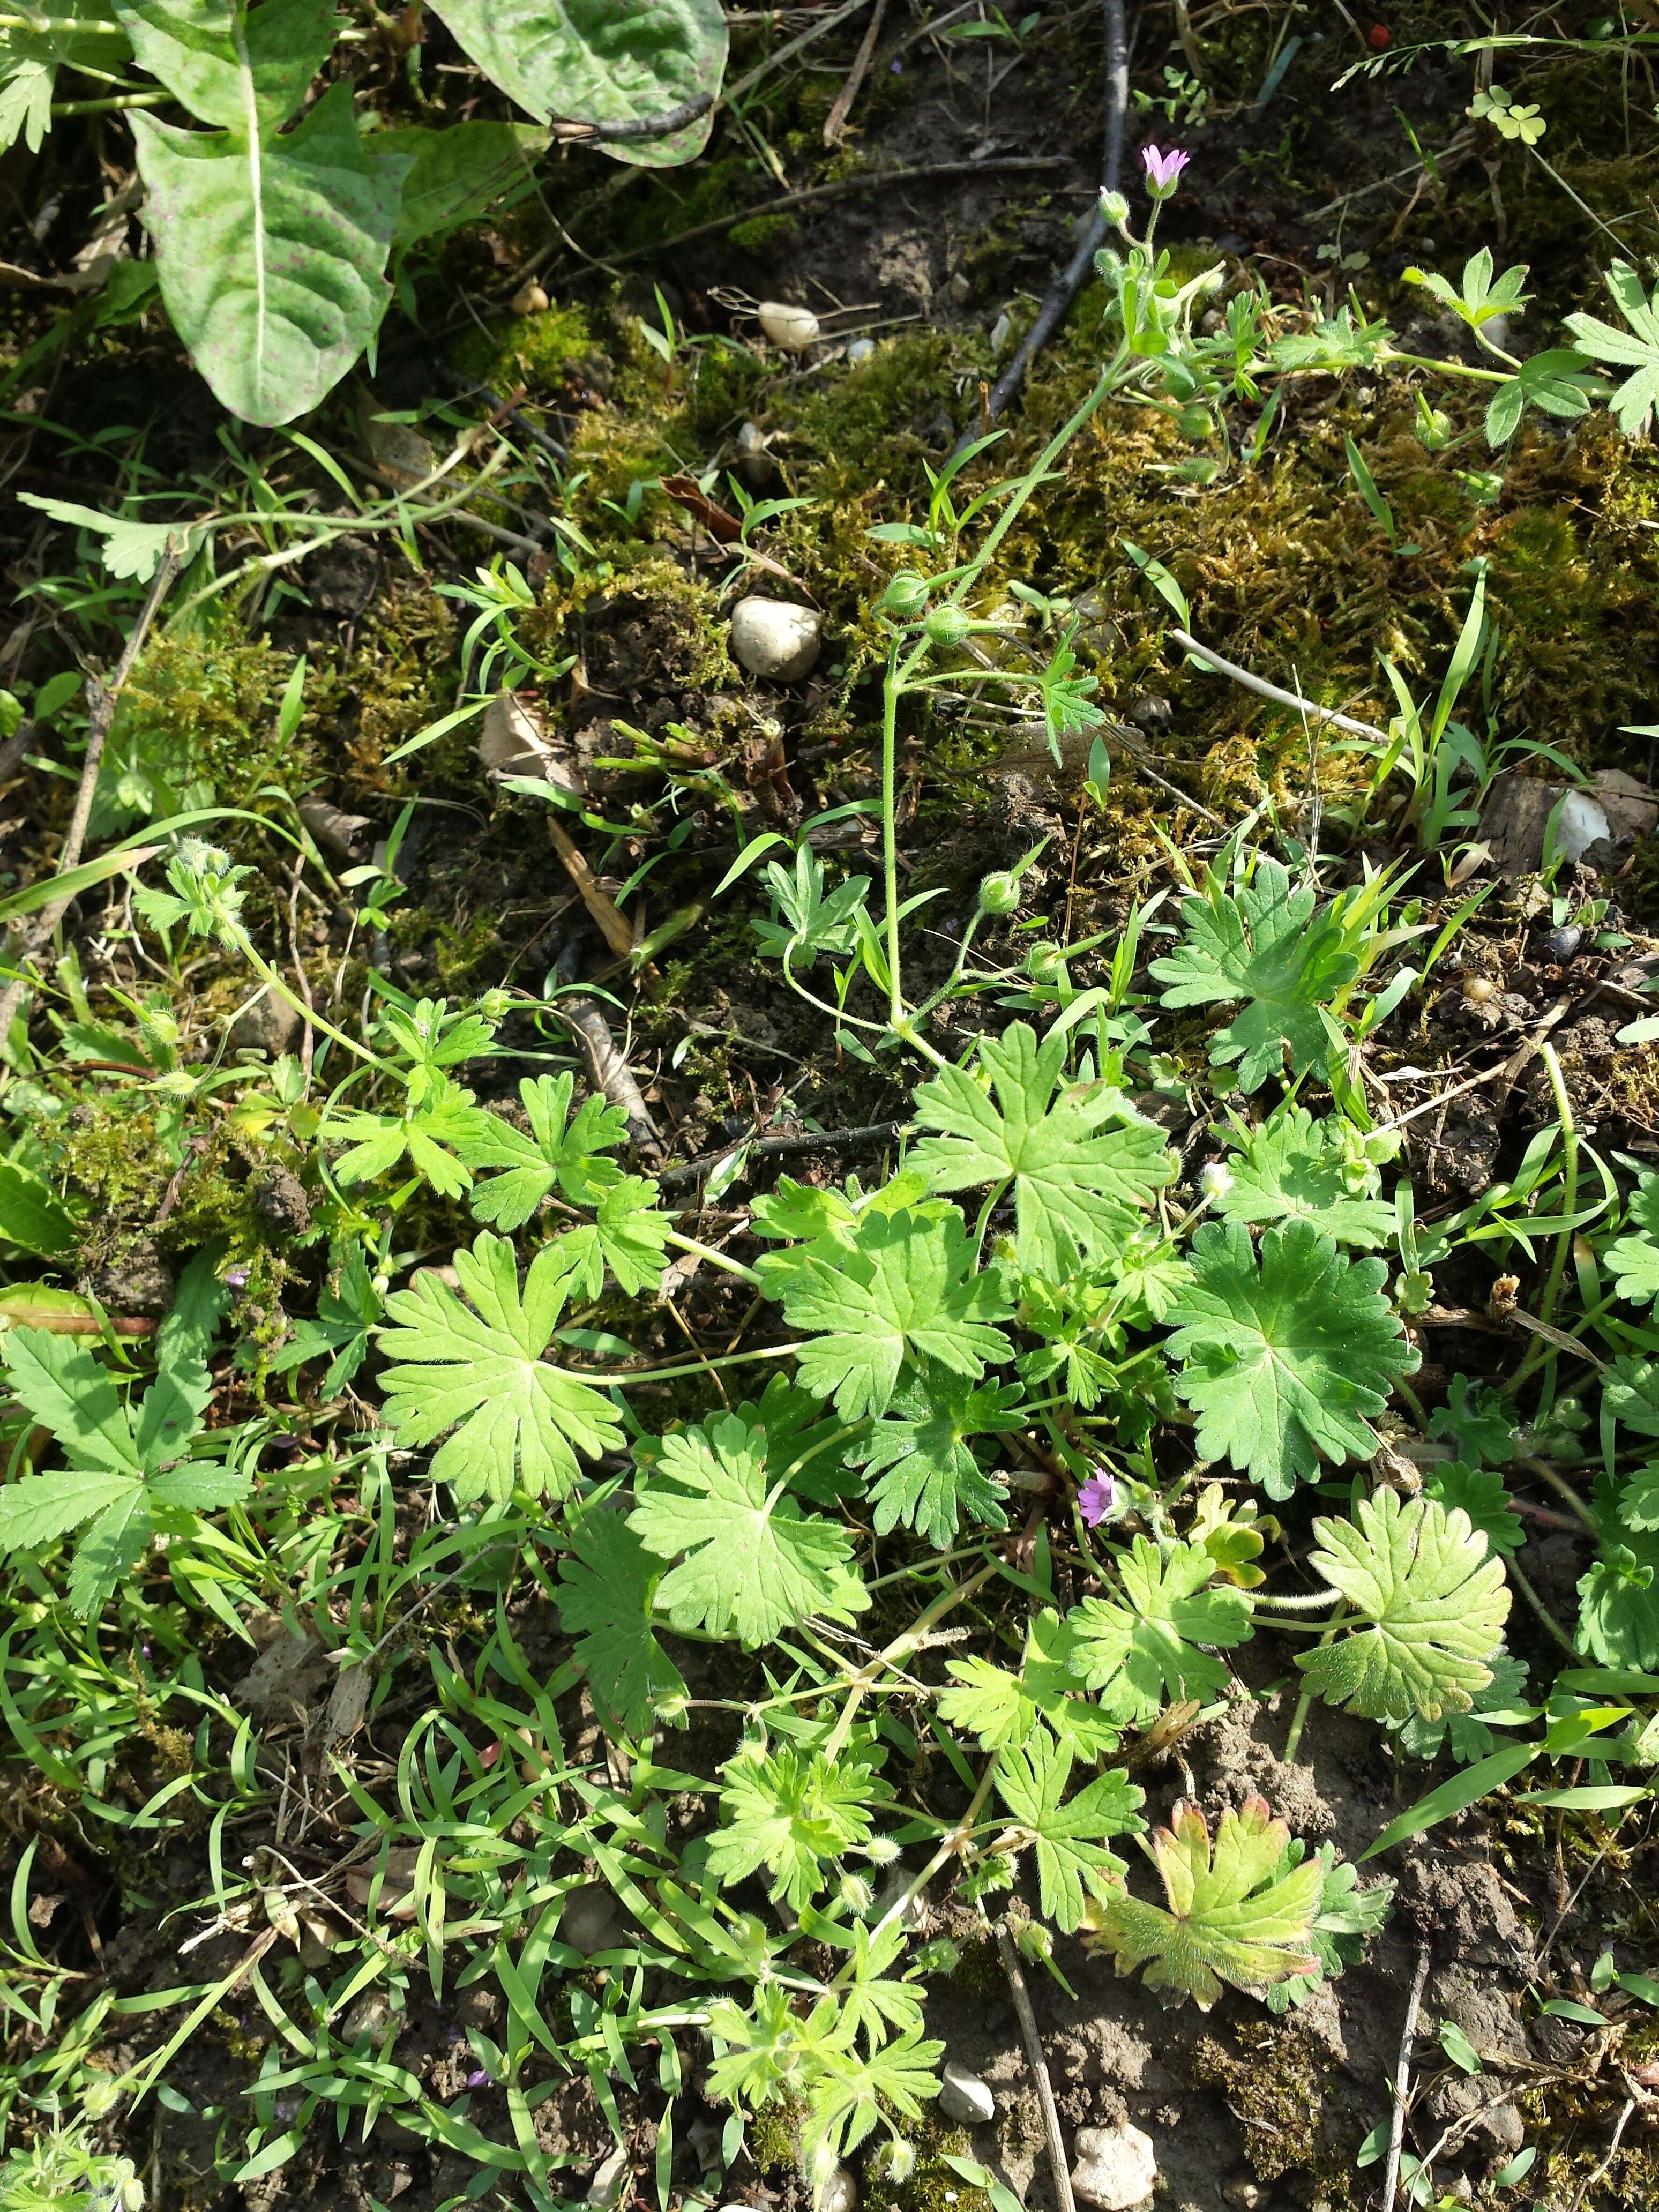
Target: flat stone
964 2098
1116 2168
611 2173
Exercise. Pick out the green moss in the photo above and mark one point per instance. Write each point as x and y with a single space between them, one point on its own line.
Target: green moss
761 230
197 721
772 2135
930 2185
399 677
1276 2081
538 351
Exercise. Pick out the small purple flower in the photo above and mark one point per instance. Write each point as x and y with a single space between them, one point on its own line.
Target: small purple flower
1097 1498
1162 170
477 2079
236 1278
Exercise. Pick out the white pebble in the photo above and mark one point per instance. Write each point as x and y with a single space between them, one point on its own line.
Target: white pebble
964 2098
1116 2168
1578 825
772 639
795 329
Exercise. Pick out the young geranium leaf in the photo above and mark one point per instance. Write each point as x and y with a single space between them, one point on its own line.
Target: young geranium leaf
1262 945
1619 1597
628 1234
476 1369
1287 1362
605 1585
873 2003
348 1308
793 1812
1143 1655
1479 1492
1001 1708
1479 1420
1234 1532
762 2046
1070 1859
850 2091
1633 1260
1346 1918
555 1153
1430 1603
1467 1735
1233 1915
429 1133
751 1563
924 1471
1079 1186
903 1287
1636 348
1291 1168
120 1466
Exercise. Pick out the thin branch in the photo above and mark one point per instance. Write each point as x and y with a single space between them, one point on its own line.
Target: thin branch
868 1139
1070 281
1263 689
835 121
107 697
1038 2064
1403 2081
872 181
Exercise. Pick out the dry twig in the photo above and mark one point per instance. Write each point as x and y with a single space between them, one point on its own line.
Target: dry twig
835 121
1045 2088
1403 2081
106 697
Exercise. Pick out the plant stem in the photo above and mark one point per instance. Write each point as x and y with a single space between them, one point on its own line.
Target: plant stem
1569 1197
1546 1619
715 1258
1299 1718
866 1680
950 1848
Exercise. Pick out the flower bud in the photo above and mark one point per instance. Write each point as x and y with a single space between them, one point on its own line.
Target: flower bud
1036 1942
901 2161
495 1005
1115 209
948 625
999 893
858 1893
1196 422
905 595
1433 428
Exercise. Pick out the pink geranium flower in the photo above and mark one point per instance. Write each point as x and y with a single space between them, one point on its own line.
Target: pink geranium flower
1162 170
1097 1498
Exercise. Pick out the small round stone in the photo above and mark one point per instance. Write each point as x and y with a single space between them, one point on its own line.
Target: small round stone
775 640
